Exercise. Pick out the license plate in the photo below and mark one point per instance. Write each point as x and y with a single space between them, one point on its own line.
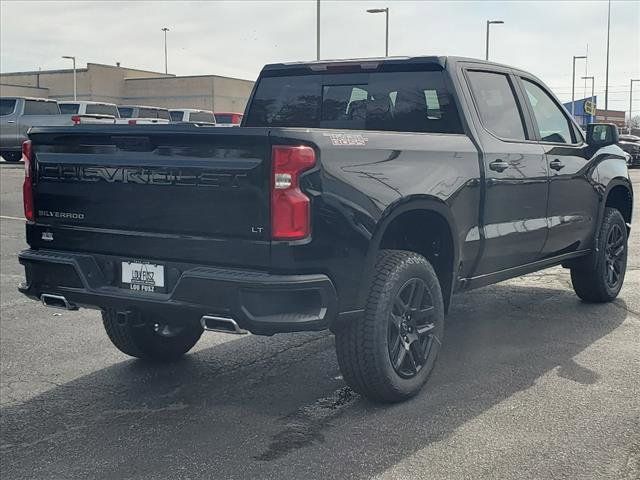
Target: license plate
143 277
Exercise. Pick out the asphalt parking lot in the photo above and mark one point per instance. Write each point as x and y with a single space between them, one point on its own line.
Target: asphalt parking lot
531 383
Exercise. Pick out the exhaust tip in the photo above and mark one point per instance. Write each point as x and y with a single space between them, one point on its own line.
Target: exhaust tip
57 301
212 323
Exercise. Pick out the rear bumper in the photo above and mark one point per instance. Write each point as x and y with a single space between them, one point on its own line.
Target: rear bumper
260 302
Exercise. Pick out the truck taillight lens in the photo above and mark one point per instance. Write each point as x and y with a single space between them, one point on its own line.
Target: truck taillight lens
290 207
27 186
75 119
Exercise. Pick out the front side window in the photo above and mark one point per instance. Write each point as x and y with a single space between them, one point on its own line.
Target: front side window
39 107
552 123
7 106
388 101
496 103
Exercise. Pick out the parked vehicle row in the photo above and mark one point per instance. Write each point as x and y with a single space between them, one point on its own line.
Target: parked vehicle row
631 145
19 114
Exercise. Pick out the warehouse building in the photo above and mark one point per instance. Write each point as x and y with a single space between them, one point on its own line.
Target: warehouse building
123 86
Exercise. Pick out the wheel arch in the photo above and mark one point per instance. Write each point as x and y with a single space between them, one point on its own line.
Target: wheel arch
396 218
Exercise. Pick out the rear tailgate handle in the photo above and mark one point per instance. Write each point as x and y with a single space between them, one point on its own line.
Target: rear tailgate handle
556 164
498 165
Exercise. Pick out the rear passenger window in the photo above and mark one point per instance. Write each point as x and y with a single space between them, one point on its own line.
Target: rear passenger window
497 105
7 106
35 107
552 123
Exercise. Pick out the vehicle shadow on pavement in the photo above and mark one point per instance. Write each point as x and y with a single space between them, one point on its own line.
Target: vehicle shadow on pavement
277 407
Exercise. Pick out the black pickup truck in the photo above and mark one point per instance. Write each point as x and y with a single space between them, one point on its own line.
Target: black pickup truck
357 196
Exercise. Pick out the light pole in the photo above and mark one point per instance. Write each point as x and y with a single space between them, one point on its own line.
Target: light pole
631 101
573 83
318 30
490 22
593 82
386 12
75 82
606 77
165 30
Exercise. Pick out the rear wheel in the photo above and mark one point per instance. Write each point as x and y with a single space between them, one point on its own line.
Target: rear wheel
389 353
599 277
150 340
11 156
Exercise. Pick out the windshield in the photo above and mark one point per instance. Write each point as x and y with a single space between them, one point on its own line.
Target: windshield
391 101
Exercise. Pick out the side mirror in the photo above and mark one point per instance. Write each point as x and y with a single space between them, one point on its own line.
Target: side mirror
602 134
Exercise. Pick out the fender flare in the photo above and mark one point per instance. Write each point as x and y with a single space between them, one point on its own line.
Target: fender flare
392 212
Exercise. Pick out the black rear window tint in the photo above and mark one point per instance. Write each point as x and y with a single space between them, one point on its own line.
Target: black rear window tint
7 106
176 116
390 101
38 107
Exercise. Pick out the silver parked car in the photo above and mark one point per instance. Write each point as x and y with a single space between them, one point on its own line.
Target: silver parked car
18 115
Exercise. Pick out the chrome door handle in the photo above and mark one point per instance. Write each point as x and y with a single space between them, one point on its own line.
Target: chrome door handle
11 121
556 165
498 165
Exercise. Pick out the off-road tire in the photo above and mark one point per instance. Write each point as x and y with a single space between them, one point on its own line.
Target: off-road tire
364 346
140 339
591 276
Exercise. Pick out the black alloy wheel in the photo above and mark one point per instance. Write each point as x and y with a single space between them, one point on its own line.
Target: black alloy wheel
411 332
614 256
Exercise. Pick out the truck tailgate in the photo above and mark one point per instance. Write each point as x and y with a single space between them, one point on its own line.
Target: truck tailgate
146 190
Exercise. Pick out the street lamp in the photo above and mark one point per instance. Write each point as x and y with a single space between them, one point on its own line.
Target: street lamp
75 82
165 30
386 12
631 101
593 82
573 83
490 22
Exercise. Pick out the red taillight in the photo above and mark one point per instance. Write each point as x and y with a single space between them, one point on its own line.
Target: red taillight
290 207
132 122
75 119
27 186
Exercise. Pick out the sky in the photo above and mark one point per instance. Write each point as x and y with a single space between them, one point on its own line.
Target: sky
236 38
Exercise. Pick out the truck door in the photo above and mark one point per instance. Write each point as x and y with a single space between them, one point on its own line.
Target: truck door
9 124
573 202
516 177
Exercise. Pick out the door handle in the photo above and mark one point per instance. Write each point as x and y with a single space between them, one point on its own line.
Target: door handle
556 164
11 121
498 165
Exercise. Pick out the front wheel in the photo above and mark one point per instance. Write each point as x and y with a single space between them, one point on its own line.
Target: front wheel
599 277
388 354
150 340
